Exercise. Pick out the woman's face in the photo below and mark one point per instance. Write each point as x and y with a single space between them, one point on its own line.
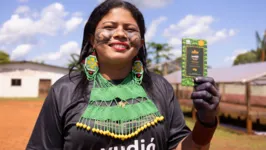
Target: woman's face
117 37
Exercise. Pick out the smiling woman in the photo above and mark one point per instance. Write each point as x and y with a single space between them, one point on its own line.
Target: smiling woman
115 102
117 38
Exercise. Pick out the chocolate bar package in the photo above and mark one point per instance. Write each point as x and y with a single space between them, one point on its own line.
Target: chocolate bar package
194 60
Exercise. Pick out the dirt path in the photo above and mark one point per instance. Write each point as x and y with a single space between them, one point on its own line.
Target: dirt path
17 120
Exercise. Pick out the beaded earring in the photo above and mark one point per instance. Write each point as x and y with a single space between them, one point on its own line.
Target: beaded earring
137 69
91 65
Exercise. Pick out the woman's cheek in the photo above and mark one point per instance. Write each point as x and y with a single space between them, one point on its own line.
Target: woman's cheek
103 36
135 40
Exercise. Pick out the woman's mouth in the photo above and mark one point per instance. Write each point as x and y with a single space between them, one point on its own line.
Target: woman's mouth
119 46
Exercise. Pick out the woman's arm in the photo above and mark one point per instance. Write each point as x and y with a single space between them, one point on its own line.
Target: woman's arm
188 144
199 139
206 98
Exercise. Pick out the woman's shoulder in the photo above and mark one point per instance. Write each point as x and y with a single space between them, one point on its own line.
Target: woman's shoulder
68 80
158 85
70 84
64 91
158 80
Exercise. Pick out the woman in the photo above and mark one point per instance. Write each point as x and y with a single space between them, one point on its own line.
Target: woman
115 103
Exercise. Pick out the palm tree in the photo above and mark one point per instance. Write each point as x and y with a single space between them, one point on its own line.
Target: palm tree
159 51
4 57
261 45
253 55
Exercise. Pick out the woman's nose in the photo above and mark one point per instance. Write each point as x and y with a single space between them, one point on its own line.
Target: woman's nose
120 33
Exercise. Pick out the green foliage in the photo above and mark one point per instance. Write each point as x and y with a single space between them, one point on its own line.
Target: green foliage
158 51
74 62
4 57
253 55
248 57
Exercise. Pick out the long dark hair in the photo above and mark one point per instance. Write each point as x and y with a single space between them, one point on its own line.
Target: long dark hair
97 14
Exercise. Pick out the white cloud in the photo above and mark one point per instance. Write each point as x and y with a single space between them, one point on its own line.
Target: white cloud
175 41
15 29
22 9
234 55
20 51
232 32
196 27
148 3
64 52
50 21
77 14
175 53
73 23
153 27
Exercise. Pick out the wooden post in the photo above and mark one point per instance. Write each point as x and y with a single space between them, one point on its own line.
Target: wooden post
177 91
165 69
247 98
222 86
223 92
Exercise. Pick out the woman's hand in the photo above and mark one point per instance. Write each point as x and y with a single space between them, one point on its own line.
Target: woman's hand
206 99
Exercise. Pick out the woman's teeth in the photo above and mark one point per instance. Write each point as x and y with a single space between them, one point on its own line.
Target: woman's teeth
119 46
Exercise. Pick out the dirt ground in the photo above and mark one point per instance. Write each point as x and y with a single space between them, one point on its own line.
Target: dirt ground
17 119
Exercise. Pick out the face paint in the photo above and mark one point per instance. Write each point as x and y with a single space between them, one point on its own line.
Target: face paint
103 36
134 39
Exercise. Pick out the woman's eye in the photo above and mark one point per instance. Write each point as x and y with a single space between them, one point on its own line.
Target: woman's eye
109 27
131 30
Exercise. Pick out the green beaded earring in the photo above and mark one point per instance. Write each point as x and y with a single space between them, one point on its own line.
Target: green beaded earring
137 69
91 66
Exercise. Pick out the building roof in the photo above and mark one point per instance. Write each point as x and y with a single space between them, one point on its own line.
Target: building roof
255 72
31 62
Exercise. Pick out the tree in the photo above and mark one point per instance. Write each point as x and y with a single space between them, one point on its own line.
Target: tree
4 57
261 45
253 55
74 62
158 51
248 57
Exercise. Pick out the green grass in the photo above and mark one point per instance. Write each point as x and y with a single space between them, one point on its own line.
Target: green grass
225 138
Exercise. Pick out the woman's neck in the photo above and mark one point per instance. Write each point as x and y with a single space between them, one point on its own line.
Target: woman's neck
115 72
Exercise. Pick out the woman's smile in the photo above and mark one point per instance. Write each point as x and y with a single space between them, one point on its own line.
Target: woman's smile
119 46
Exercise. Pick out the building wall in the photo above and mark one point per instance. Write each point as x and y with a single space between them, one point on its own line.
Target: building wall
256 90
29 79
235 93
238 89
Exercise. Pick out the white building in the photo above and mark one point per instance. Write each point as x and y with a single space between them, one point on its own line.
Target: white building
28 79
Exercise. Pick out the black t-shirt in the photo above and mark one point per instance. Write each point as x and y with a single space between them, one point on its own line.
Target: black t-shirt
56 129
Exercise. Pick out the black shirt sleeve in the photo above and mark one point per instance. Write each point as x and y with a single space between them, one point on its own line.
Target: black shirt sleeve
47 132
177 124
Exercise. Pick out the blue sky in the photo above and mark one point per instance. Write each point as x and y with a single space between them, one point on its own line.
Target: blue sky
51 30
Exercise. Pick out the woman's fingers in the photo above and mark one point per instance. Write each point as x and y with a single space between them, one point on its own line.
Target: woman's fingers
200 80
201 95
208 87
